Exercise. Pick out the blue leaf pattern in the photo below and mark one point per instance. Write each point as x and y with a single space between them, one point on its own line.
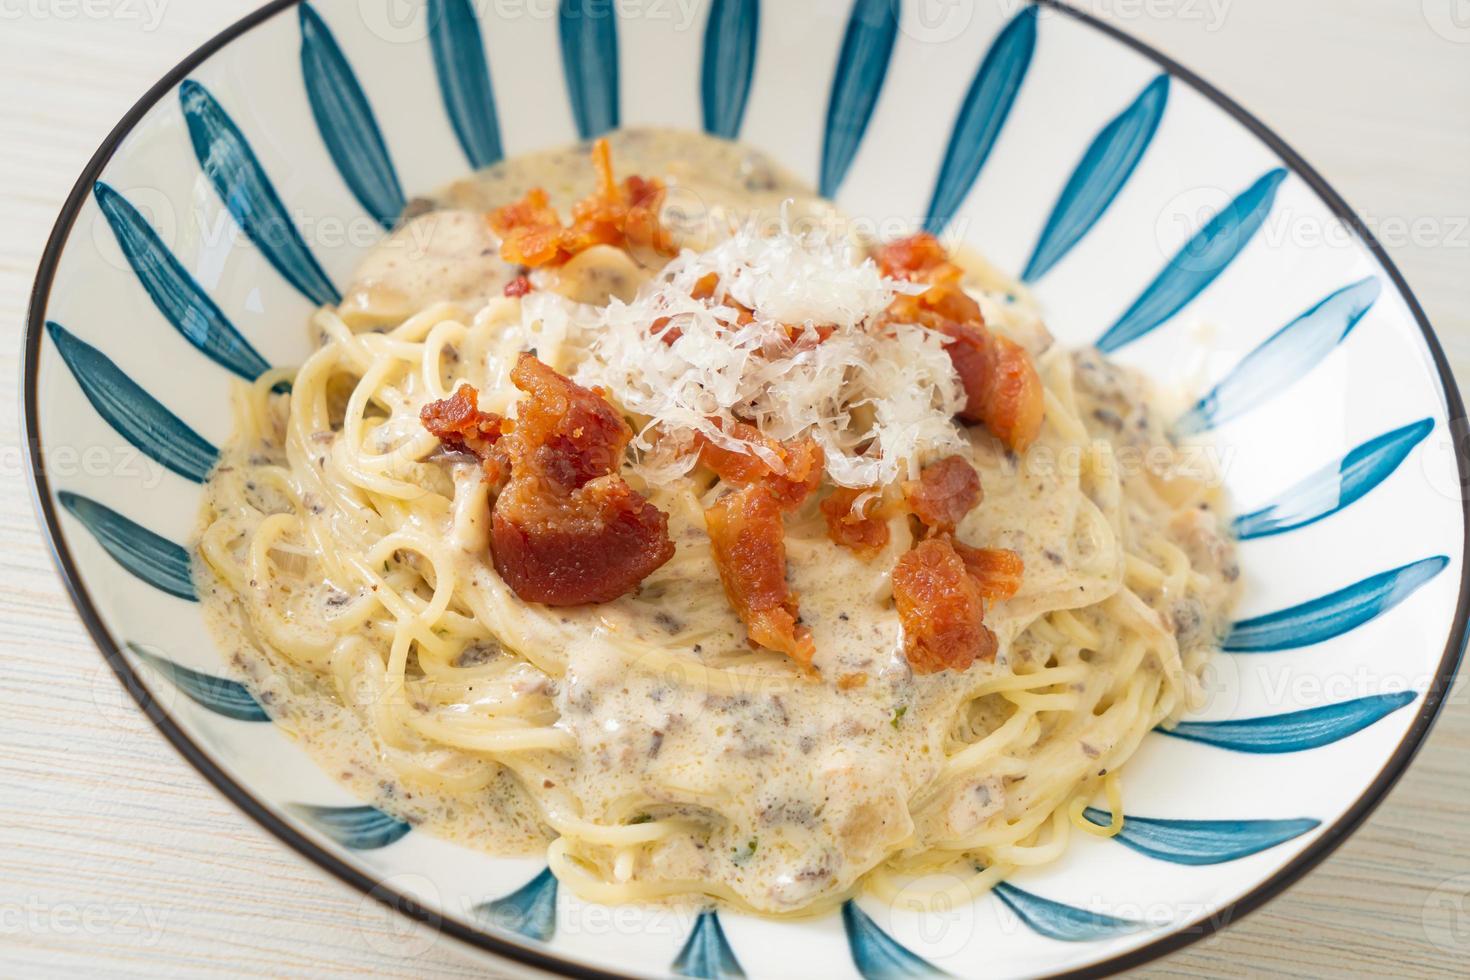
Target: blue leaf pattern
359 828
1202 841
346 122
707 952
877 955
218 694
729 64
1100 175
134 413
154 559
589 59
1283 358
1062 922
1333 614
982 114
180 299
862 64
529 910
1334 487
1207 254
464 79
241 183
1294 731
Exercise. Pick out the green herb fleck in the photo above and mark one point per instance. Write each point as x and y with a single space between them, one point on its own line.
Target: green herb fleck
641 818
898 714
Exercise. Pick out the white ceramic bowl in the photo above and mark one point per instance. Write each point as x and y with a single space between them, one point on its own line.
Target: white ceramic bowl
1149 214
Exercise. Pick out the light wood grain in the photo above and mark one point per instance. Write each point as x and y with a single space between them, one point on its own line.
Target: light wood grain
115 857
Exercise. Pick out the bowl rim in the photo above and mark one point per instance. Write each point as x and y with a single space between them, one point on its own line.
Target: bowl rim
323 858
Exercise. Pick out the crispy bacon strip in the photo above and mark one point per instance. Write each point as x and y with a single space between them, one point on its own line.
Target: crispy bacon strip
1002 388
944 493
748 536
801 464
997 570
461 427
942 609
624 215
865 532
566 529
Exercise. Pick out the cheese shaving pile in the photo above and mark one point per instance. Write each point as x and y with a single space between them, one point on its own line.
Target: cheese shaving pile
879 401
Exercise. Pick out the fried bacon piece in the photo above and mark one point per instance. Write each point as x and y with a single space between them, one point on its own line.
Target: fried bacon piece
942 609
865 531
461 427
801 464
519 286
918 258
748 535
623 215
997 570
944 493
1002 388
566 529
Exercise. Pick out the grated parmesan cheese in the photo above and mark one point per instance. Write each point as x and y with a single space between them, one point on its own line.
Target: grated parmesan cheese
878 402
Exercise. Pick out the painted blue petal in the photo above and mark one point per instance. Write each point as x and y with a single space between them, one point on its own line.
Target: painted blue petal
729 64
529 910
1202 841
464 79
877 955
241 183
1288 354
1296 730
982 114
1100 175
1333 614
1335 486
589 60
361 828
219 694
346 122
1064 922
707 952
156 560
867 47
180 298
134 413
1196 265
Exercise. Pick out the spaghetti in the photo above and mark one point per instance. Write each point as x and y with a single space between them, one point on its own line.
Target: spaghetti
642 742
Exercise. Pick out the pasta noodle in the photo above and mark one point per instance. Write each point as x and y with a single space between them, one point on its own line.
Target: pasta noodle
642 742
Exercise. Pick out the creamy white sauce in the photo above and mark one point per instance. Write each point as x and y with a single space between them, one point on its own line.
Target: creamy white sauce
794 790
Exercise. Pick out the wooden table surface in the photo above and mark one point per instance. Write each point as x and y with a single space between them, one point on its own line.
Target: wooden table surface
117 858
